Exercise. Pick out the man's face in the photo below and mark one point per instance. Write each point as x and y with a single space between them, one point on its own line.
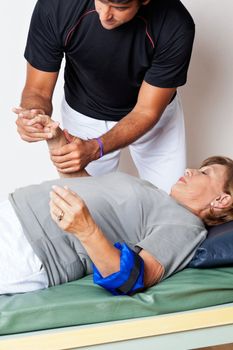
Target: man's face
198 187
113 15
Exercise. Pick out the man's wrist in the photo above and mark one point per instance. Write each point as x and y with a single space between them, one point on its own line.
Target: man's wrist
97 148
101 147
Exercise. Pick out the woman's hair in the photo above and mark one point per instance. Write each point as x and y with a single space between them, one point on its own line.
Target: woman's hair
226 214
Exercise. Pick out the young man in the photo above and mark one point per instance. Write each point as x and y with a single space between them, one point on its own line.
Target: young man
124 62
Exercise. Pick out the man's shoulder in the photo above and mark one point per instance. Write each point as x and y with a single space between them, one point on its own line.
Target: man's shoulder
168 10
179 13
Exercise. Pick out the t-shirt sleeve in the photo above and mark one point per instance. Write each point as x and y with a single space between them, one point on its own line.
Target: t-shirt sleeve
43 49
171 59
173 245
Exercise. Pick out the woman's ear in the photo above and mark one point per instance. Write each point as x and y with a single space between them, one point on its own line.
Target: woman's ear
222 201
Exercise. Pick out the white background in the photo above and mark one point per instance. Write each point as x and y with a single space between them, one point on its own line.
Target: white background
207 97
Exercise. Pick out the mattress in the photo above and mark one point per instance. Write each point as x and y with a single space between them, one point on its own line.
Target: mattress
81 302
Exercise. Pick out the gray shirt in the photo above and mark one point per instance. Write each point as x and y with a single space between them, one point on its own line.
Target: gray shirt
127 209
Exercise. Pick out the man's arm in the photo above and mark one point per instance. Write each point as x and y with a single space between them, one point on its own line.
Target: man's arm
56 138
36 99
151 103
77 220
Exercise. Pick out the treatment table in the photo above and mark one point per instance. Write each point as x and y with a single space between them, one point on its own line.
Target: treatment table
191 309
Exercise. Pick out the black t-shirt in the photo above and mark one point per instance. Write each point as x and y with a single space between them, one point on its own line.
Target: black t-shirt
105 68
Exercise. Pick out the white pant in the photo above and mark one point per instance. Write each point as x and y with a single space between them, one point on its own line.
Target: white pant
159 155
20 269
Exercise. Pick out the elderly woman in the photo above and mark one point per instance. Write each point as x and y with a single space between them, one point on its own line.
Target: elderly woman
128 232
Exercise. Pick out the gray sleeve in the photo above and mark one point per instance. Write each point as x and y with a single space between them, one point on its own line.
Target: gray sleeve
173 245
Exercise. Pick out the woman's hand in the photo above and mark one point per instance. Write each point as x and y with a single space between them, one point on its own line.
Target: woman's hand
46 124
33 125
71 214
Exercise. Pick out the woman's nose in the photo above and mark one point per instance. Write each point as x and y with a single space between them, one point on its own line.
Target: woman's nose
190 172
187 172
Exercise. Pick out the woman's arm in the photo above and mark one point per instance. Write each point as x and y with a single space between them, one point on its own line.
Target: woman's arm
77 220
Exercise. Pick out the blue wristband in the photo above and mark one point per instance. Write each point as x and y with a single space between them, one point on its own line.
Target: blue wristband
98 139
129 279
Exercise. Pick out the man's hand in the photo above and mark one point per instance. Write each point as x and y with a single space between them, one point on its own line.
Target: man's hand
76 155
28 129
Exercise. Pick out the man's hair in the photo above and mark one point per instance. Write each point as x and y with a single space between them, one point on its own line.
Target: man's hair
226 214
123 1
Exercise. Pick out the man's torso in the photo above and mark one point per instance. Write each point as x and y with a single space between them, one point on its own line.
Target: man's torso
105 68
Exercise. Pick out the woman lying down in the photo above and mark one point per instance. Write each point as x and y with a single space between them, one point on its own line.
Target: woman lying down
124 230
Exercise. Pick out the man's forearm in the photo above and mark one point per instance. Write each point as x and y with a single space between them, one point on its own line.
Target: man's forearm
32 100
151 104
127 130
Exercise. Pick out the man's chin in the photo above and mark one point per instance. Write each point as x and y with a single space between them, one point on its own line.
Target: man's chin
110 26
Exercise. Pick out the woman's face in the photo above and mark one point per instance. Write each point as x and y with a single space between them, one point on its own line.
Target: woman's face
199 187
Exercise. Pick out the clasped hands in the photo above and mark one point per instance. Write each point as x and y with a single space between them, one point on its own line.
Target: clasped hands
69 156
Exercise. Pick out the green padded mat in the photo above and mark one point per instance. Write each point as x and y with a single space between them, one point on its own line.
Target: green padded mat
82 302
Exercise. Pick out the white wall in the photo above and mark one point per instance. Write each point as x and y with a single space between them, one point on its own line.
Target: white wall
21 163
207 97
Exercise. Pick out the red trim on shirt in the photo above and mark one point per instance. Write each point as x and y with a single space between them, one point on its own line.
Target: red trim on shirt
147 33
68 37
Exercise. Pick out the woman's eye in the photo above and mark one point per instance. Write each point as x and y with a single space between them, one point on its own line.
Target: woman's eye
203 172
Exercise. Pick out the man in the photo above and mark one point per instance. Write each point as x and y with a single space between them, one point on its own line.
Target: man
124 62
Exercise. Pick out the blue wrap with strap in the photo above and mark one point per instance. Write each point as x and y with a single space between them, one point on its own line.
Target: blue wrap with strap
130 277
